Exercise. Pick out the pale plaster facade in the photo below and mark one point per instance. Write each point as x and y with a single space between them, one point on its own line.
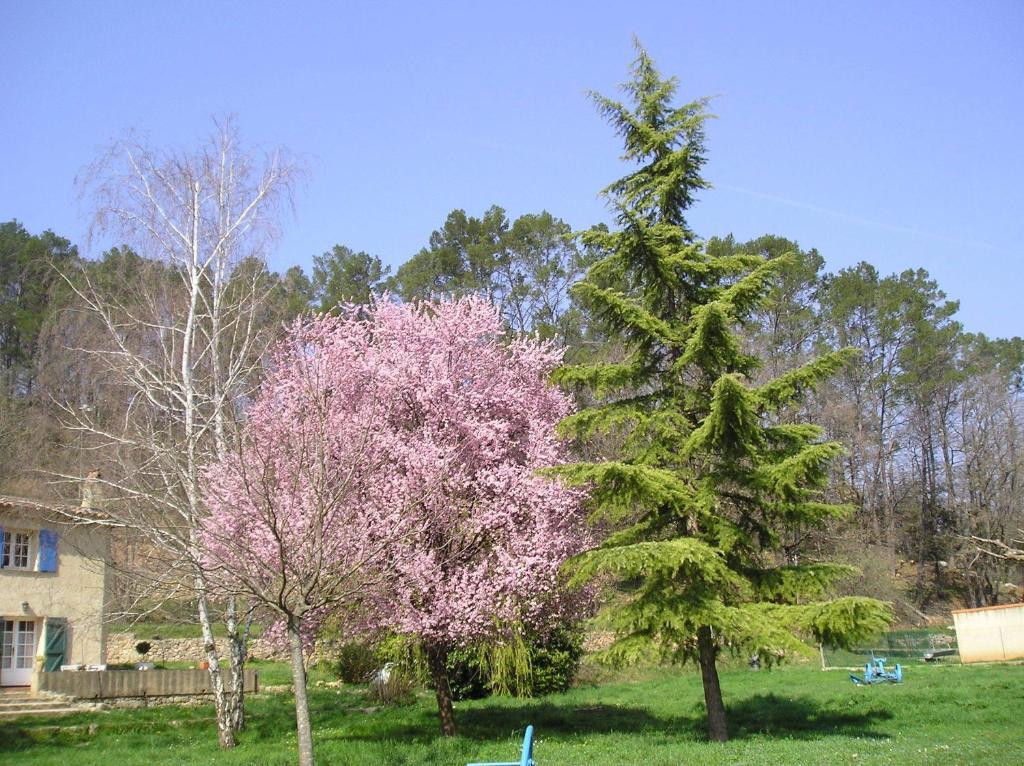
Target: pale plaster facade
32 601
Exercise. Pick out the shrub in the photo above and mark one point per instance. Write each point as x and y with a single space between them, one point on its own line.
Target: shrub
143 647
393 686
355 663
466 676
474 672
554 660
405 656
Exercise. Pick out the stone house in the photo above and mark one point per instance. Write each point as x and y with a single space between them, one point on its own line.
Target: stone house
54 585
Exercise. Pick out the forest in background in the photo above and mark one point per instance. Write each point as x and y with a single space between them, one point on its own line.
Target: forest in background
931 413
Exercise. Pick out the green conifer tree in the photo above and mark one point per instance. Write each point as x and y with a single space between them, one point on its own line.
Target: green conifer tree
709 474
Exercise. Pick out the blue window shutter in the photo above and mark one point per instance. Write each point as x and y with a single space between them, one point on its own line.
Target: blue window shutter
1 547
47 550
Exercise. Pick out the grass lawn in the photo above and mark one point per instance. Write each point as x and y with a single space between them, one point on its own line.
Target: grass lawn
940 715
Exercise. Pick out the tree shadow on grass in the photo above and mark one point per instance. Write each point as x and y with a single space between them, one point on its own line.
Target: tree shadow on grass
13 738
758 716
767 714
554 718
800 718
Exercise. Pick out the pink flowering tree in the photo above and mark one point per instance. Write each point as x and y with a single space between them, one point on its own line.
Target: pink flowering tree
485 545
389 468
305 511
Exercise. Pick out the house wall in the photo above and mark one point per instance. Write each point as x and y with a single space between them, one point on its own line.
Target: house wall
991 634
76 591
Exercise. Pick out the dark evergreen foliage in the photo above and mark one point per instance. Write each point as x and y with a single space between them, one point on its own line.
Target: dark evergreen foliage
709 473
28 283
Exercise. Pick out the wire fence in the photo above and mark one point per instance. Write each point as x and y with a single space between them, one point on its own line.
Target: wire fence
896 646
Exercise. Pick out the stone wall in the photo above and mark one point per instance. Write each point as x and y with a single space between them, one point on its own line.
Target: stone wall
121 648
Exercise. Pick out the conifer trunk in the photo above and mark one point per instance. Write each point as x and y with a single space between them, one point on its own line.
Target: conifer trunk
437 659
305 733
707 654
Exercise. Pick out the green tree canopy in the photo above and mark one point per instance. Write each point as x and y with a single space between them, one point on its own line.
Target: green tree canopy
342 275
524 266
460 259
28 283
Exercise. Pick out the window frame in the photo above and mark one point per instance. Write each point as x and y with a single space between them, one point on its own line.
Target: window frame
9 545
7 646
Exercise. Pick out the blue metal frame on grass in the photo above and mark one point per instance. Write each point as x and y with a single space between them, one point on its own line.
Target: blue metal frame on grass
525 760
875 673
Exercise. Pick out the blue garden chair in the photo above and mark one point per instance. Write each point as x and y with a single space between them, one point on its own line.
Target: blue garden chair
525 760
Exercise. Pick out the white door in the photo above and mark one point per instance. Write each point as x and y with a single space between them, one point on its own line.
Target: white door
17 653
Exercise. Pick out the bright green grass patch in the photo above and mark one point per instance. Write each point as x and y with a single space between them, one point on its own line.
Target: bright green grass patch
941 715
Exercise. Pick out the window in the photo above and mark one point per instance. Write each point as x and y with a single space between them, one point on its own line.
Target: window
29 549
17 550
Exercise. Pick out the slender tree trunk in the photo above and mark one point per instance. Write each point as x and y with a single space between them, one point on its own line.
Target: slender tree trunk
952 490
437 657
225 731
305 734
708 653
236 649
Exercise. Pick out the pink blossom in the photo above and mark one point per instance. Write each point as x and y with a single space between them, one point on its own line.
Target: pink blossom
390 466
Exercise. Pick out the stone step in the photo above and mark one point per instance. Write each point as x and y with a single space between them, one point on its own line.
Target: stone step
21 700
27 695
38 702
58 710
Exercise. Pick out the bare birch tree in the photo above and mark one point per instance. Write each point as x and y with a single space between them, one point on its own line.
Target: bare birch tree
182 339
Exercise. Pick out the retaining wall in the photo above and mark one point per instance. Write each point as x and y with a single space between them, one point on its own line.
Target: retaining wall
121 649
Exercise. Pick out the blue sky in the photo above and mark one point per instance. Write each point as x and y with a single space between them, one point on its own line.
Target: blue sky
888 132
